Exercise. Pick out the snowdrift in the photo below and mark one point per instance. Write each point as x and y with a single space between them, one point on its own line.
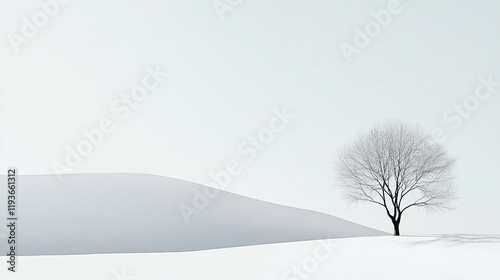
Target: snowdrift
138 213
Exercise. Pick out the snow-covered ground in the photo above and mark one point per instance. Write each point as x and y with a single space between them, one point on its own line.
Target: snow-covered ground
445 257
128 227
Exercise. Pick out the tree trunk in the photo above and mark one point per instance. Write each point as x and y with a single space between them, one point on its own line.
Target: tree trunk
396 227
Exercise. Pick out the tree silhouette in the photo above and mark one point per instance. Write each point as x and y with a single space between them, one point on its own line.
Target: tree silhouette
397 167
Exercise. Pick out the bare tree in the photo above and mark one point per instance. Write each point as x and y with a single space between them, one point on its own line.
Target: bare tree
397 167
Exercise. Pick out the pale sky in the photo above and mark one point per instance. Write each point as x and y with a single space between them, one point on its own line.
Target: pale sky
228 74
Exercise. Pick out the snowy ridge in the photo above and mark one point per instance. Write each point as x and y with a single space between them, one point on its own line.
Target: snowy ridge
138 213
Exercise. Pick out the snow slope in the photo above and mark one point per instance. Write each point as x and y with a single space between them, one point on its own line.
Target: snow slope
137 213
387 258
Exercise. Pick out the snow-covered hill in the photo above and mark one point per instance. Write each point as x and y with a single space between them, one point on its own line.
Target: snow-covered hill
384 258
137 213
